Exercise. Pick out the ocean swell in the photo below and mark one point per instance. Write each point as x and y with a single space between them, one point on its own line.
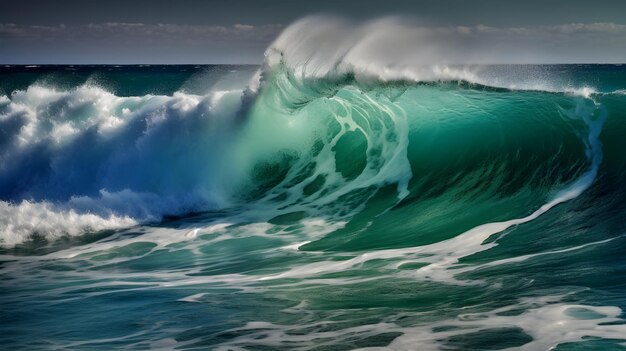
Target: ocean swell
325 127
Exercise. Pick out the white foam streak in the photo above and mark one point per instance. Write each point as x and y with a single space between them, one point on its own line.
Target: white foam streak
549 324
547 320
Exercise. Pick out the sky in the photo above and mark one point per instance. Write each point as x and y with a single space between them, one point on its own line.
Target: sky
239 31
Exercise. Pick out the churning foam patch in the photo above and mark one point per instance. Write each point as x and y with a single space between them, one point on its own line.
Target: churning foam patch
18 222
87 158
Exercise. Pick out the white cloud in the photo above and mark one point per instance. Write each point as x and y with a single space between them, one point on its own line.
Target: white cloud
143 42
125 31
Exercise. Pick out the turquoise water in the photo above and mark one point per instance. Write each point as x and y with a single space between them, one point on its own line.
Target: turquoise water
184 207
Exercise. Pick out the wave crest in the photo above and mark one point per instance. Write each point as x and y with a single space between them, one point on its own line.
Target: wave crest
395 49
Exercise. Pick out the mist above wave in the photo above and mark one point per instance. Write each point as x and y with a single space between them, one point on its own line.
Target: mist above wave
402 49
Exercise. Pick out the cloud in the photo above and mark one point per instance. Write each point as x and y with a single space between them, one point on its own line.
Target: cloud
118 42
266 33
152 32
603 28
245 43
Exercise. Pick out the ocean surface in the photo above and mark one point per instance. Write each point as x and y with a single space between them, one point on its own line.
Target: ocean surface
271 208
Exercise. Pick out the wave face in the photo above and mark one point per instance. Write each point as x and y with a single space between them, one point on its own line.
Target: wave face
307 205
85 159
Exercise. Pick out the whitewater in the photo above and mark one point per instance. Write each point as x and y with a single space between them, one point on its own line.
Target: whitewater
352 192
